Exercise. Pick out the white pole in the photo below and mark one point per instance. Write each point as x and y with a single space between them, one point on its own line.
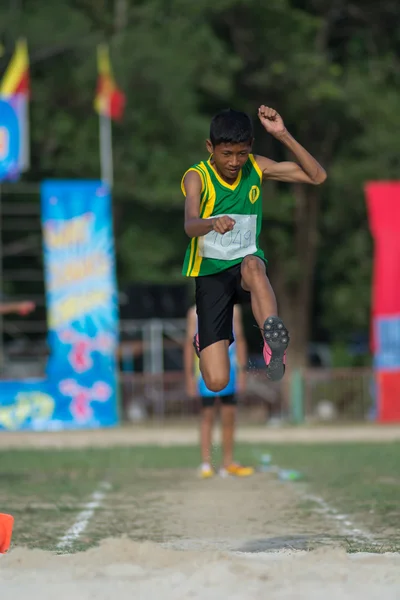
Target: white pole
26 157
106 150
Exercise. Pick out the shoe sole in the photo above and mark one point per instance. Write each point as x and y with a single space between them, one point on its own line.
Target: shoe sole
277 338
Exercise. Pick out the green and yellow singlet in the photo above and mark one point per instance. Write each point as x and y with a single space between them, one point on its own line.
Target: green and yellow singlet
241 200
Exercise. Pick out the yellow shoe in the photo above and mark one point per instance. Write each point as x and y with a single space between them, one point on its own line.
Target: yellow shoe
206 472
239 471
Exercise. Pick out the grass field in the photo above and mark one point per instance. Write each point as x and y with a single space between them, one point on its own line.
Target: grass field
154 495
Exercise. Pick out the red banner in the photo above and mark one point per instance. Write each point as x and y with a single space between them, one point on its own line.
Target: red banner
383 202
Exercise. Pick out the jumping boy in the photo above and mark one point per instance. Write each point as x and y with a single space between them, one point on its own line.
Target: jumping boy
223 215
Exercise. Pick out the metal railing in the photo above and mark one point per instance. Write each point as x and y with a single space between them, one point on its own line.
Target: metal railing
146 397
338 394
322 395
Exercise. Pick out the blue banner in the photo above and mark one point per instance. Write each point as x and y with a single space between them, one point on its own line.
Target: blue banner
82 310
9 139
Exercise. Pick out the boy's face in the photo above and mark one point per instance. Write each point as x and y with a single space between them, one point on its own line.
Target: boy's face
229 158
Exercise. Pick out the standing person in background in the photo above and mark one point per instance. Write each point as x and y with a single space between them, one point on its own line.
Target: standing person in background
196 387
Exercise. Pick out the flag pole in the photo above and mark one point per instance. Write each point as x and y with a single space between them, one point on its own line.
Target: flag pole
106 149
26 142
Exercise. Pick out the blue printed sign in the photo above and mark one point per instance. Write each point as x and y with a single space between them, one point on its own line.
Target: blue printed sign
387 332
9 140
82 311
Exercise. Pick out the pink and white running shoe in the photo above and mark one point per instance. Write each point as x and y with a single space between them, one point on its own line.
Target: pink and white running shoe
276 340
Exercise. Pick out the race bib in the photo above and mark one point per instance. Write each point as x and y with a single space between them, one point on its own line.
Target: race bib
234 244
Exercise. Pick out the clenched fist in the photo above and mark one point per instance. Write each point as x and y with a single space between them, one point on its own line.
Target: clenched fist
223 224
271 120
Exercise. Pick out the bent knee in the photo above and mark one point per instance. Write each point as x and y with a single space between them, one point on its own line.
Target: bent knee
215 383
252 265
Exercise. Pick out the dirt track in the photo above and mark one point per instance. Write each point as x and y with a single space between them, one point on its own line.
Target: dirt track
186 435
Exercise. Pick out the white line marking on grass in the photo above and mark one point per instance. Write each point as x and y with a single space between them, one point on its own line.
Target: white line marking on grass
345 525
83 518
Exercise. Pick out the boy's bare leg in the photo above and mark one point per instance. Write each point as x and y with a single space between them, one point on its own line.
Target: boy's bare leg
206 430
255 281
215 365
228 418
265 311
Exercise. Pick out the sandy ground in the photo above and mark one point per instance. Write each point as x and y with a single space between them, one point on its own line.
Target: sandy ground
145 571
185 435
230 538
248 515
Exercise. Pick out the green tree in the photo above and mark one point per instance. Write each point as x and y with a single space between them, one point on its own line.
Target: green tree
328 97
332 71
155 55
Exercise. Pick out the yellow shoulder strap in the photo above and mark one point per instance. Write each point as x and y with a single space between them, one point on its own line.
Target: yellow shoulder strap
256 167
197 170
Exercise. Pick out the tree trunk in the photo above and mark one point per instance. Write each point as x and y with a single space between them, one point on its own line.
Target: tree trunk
295 301
120 15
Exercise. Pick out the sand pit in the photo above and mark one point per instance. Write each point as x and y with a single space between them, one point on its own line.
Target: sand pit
123 569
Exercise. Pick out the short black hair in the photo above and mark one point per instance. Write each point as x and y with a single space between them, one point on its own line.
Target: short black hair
231 127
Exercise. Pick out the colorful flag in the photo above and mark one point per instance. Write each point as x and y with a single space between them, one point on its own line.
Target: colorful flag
15 88
16 78
110 100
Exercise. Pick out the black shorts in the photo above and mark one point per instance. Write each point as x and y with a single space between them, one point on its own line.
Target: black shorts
215 297
209 401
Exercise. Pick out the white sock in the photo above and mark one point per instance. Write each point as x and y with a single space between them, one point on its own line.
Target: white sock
205 466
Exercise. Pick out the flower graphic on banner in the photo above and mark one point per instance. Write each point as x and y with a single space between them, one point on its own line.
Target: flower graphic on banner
82 346
32 405
82 397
